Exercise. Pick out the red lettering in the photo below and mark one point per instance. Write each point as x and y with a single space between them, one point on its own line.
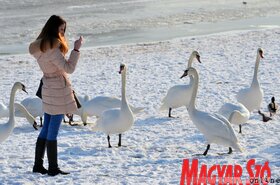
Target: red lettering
202 175
188 174
228 175
212 181
237 175
221 173
265 169
254 178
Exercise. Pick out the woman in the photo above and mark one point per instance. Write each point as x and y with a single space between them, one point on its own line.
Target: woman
49 49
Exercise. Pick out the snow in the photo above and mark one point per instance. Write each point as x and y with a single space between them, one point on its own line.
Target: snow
156 145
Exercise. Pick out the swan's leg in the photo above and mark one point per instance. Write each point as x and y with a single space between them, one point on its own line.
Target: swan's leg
230 150
169 113
64 120
71 117
108 138
240 131
41 121
208 147
120 140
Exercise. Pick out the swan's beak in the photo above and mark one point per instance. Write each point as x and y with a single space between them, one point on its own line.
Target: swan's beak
198 58
23 88
261 53
185 74
121 68
35 125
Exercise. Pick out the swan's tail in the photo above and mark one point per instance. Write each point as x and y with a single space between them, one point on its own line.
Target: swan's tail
137 109
238 147
96 126
163 107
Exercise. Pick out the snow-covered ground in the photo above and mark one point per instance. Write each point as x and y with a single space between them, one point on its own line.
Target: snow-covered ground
156 145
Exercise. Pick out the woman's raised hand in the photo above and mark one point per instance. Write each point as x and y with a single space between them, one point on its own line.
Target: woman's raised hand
78 43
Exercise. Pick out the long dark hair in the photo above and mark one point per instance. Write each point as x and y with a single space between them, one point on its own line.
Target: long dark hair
50 34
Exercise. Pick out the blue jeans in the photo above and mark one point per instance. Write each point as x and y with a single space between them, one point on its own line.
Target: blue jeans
51 126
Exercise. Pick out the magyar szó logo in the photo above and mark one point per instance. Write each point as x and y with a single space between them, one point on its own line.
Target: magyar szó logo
226 174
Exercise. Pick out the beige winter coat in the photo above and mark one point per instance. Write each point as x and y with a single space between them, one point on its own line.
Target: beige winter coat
57 94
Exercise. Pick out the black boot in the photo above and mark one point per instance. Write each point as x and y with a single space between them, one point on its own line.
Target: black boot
52 157
39 156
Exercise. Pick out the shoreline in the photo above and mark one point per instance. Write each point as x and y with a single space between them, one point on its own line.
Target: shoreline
20 49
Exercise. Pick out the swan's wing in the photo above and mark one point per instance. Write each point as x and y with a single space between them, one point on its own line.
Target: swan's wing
105 101
97 105
34 106
227 127
177 89
108 120
214 125
177 96
228 108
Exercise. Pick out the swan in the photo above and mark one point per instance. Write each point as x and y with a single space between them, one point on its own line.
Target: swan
7 128
214 127
272 107
179 95
240 113
252 97
34 106
97 105
118 120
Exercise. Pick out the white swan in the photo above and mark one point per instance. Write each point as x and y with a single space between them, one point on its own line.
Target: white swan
179 95
7 128
34 106
97 105
214 127
252 97
240 113
116 121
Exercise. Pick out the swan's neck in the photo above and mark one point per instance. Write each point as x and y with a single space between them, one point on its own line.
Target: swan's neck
194 92
255 78
11 105
190 65
124 102
190 61
191 80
